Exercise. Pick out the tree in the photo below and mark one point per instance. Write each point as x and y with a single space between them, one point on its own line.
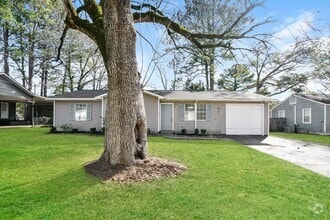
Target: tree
277 72
235 78
191 86
216 16
110 25
80 65
321 61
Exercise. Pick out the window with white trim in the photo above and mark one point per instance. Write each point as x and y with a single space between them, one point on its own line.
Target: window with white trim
189 112
281 114
80 112
201 112
307 115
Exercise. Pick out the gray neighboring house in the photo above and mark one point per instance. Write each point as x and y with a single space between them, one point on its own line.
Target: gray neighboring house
231 113
310 113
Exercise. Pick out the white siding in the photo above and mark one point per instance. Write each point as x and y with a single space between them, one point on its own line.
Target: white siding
152 109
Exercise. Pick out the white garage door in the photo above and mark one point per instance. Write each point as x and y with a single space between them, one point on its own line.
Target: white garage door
244 119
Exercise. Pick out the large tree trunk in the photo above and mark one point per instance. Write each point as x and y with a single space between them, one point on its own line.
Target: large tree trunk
126 130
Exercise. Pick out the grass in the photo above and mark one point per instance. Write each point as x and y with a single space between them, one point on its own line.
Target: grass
42 177
316 138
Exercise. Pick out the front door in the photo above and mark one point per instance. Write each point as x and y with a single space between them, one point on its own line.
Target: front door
166 117
4 110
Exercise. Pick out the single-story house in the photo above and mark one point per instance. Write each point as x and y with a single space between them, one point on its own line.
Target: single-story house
231 113
19 106
308 113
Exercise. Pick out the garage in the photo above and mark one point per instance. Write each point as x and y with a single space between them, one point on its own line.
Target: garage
244 119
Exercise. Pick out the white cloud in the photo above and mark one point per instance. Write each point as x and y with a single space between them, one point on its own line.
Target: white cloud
293 28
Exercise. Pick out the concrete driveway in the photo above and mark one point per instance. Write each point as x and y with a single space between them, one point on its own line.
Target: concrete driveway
315 157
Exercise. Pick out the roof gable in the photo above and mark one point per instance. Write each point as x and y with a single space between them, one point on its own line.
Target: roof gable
12 90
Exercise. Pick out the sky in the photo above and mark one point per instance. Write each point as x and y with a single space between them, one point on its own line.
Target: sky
289 16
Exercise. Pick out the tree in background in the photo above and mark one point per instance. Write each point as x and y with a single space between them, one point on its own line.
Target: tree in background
236 78
216 16
80 65
321 61
277 72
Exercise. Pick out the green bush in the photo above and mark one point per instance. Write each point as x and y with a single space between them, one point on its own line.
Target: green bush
184 131
203 131
196 131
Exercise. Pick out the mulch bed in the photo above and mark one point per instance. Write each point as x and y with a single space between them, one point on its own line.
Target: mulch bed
144 170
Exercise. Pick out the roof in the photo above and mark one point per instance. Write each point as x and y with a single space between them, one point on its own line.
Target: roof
80 94
176 95
12 90
323 98
210 95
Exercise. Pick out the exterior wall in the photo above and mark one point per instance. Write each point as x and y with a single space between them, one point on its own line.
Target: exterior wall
62 115
214 124
152 112
317 115
216 120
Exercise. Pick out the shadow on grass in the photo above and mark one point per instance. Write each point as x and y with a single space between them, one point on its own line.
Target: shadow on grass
38 196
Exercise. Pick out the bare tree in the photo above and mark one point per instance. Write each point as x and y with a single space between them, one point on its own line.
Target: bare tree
277 72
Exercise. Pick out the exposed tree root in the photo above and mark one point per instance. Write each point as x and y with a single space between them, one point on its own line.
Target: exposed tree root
147 169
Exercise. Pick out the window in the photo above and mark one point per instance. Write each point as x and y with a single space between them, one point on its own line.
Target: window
4 106
80 112
201 112
281 114
307 115
292 101
189 112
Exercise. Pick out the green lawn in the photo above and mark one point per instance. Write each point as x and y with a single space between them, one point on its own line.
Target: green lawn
42 177
321 139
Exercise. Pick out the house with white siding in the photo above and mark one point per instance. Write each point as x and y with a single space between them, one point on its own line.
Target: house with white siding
231 113
306 113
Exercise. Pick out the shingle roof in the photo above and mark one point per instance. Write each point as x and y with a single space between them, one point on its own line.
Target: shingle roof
80 94
324 98
210 95
174 95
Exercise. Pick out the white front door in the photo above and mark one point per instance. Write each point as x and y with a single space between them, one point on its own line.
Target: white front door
166 117
4 110
244 119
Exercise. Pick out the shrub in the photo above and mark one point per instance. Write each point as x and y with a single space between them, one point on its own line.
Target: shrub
53 129
75 130
196 131
93 130
203 131
66 127
184 131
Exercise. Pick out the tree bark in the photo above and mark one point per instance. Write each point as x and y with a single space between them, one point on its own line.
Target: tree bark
126 130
